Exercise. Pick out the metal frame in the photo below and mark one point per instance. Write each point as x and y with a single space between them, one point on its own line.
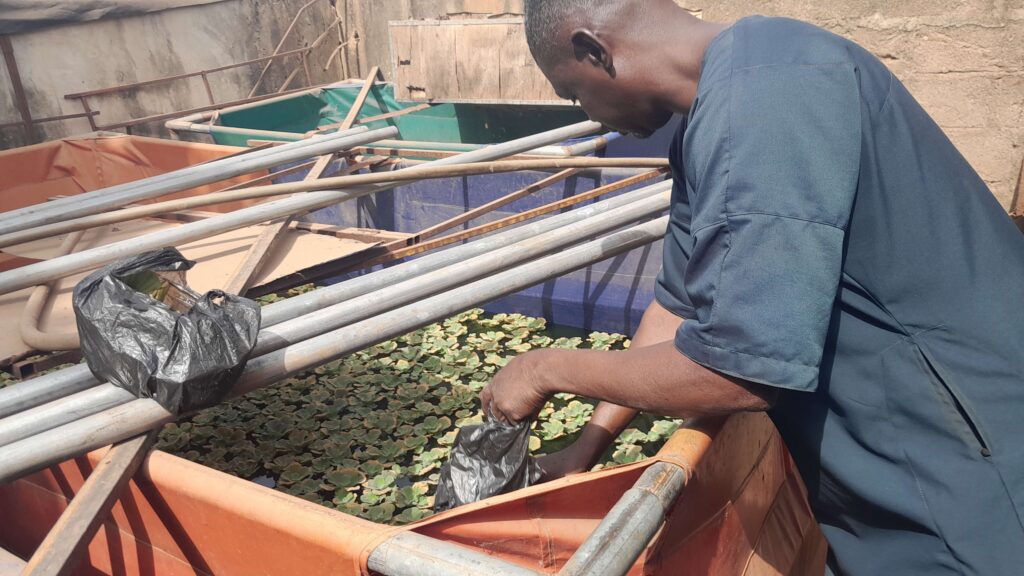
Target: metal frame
429 292
334 317
303 55
610 550
62 383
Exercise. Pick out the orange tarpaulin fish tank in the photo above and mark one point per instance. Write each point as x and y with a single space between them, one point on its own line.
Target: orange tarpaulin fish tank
742 511
33 175
38 173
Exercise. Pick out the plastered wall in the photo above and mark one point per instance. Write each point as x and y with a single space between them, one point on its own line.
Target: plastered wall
963 59
86 56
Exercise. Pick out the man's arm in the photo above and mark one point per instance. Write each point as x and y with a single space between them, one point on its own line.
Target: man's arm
609 420
657 379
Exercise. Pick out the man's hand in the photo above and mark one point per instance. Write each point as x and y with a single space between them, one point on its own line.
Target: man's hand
518 391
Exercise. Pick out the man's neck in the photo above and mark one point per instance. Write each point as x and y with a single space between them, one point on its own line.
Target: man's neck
678 45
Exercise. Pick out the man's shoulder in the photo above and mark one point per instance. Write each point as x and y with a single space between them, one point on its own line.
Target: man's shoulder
771 41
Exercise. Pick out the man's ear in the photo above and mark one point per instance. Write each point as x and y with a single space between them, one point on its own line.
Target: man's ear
589 48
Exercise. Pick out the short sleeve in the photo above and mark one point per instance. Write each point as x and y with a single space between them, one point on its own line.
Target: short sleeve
668 287
770 220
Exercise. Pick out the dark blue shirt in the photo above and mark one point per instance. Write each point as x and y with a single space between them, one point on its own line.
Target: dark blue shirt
827 239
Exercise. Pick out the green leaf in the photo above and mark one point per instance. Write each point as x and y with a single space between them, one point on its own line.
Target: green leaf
344 477
276 427
381 513
552 429
534 443
372 467
295 472
410 515
382 481
627 454
632 436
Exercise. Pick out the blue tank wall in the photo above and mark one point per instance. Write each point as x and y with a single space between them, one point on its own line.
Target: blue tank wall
608 296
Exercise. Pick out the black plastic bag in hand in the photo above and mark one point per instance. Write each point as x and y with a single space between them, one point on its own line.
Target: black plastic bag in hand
143 330
487 459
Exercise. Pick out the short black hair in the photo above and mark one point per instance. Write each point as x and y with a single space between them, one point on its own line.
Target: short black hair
544 19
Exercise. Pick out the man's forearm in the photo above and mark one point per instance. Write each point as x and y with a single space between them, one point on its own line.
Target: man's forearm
657 379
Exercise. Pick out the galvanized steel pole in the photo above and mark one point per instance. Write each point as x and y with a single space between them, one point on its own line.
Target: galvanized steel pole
154 186
138 416
629 527
332 183
48 387
412 554
43 272
41 418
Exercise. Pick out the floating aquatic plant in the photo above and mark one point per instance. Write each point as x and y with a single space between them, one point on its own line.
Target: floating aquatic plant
367 434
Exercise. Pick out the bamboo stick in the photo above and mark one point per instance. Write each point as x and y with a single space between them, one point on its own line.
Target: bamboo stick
337 182
138 416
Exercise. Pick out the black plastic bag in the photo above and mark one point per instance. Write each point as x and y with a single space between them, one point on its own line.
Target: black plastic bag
144 330
487 459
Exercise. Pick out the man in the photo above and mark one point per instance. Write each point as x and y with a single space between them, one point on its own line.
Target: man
831 258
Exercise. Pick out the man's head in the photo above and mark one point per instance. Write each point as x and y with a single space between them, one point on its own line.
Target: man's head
602 54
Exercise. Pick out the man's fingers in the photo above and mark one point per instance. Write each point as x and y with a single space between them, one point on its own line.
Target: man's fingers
498 415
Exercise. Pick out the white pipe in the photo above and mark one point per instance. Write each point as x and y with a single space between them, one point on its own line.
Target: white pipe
123 194
61 383
140 415
42 272
64 410
412 554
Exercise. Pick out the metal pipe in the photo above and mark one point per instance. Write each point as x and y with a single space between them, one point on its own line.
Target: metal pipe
42 272
579 149
122 194
628 528
45 388
349 311
314 300
48 387
309 185
390 297
61 411
28 325
412 554
55 268
140 415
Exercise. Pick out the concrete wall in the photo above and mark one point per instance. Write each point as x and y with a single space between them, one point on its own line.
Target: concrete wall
79 57
963 59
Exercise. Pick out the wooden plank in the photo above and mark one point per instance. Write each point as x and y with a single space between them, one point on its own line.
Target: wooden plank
357 104
368 235
394 114
396 250
429 67
62 549
403 60
31 367
247 269
482 61
495 204
435 46
476 55
244 275
521 78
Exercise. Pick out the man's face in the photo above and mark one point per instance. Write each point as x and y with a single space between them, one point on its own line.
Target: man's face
618 102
